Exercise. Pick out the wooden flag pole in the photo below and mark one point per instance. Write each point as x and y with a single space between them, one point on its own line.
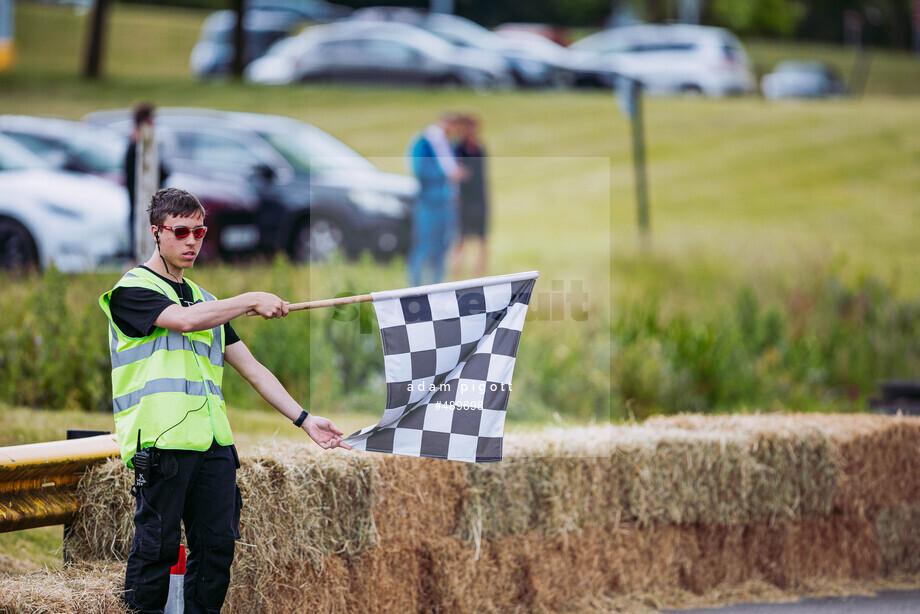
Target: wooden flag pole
331 302
416 291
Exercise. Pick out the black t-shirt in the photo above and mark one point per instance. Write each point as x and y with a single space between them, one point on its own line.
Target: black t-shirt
134 310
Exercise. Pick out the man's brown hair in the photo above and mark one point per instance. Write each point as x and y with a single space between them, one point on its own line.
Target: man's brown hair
143 113
175 202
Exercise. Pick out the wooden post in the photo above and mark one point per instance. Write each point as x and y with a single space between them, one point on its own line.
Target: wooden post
629 98
146 183
638 134
92 66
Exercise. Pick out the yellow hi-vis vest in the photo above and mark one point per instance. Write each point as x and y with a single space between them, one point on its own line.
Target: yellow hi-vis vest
167 385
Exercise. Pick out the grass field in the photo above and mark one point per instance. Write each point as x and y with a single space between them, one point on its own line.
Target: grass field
741 183
743 192
746 196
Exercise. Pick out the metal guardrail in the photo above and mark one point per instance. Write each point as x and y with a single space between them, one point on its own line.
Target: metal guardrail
38 481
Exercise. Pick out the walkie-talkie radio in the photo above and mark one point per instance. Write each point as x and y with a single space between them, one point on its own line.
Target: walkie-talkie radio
143 460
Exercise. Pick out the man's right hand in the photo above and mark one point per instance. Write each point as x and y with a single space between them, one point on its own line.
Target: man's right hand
268 305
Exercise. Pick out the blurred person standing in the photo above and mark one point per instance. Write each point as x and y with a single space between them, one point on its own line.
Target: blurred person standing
170 341
143 176
474 198
431 159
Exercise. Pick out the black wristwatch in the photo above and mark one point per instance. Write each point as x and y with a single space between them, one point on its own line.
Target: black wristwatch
303 416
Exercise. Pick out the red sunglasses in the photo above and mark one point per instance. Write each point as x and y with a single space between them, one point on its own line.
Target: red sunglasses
182 232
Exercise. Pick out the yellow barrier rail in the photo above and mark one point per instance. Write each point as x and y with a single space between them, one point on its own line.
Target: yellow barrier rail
38 481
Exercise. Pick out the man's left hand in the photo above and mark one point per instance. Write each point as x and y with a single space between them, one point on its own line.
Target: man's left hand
324 433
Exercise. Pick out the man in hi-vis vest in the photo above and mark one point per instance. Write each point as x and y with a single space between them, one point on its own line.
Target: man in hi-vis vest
169 340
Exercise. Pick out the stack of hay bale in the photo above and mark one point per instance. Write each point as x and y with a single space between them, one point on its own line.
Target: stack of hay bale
689 502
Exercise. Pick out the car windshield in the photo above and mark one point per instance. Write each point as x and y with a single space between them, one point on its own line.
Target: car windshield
15 157
799 67
605 41
310 149
461 32
104 154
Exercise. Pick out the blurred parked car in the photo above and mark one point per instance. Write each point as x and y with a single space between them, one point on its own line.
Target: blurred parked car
48 216
264 22
557 34
213 54
84 148
303 10
582 67
677 58
69 145
316 195
528 68
796 79
377 53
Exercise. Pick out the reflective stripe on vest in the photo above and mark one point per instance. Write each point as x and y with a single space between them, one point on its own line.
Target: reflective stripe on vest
166 384
171 341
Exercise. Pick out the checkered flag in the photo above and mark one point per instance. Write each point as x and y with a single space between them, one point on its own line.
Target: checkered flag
449 352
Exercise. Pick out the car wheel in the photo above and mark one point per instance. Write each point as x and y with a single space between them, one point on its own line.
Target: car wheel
317 240
386 246
450 81
17 248
563 80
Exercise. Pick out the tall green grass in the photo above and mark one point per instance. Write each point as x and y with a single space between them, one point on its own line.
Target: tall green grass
820 343
821 346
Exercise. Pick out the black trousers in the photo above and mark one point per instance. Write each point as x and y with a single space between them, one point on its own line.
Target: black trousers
198 488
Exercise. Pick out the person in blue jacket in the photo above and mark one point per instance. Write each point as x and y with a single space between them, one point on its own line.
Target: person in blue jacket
434 220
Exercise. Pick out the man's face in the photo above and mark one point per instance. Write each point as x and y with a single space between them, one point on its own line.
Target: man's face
180 253
453 130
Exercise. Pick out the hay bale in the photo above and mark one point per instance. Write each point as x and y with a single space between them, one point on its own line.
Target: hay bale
880 462
299 587
687 502
387 579
298 504
534 573
898 531
76 590
657 473
789 554
300 507
553 481
105 526
551 494
724 471
567 567
417 498
878 457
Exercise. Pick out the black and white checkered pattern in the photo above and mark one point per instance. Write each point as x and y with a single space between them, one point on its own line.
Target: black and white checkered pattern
449 352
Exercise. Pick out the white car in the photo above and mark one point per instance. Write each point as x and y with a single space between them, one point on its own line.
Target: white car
673 59
798 79
76 221
372 52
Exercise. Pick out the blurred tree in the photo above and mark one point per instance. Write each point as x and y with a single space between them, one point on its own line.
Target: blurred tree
804 19
887 23
760 17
